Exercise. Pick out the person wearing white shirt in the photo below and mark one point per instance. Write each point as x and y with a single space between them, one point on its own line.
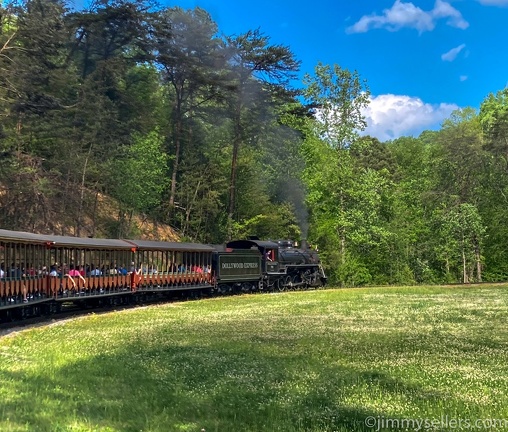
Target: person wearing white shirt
96 271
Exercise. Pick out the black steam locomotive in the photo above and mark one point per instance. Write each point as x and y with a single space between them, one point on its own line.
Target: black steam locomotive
40 273
283 266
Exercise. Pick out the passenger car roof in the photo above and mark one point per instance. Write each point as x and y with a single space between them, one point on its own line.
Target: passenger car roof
158 245
98 243
19 236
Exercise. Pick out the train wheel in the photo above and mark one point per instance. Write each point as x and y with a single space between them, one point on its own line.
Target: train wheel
246 287
295 282
279 285
223 289
287 282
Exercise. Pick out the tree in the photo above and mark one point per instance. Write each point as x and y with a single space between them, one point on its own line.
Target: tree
36 86
409 248
110 34
459 157
463 228
187 50
338 96
137 175
251 59
494 121
493 117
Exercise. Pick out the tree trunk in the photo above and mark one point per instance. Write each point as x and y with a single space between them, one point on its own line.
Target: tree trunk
342 233
177 136
234 162
94 214
82 192
66 199
342 246
478 263
188 211
178 129
464 267
129 222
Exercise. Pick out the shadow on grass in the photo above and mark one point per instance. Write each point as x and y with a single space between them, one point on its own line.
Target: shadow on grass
190 388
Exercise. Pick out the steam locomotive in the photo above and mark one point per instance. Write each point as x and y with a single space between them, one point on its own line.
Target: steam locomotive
41 273
283 266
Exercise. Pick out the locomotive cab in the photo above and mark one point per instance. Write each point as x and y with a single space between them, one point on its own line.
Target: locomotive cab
270 260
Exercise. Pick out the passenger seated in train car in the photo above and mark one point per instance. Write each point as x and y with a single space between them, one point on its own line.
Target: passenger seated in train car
53 272
152 270
2 270
30 270
74 275
15 272
141 269
95 270
181 268
123 270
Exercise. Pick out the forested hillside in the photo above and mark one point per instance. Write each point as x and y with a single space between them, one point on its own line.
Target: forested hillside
125 113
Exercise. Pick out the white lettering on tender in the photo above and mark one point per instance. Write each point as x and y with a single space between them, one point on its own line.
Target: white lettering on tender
239 265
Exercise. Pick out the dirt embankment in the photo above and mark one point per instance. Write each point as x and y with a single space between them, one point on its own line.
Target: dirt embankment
91 215
106 219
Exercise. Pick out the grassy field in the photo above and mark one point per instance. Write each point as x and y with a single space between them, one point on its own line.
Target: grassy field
324 361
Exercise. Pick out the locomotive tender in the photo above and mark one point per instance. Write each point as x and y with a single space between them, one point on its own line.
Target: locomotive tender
39 273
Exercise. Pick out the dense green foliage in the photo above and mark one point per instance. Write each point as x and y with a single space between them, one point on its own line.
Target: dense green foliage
156 110
317 361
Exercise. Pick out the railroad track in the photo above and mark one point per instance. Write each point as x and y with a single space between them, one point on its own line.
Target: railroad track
75 310
71 310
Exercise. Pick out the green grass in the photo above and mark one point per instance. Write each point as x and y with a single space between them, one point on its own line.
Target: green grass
310 361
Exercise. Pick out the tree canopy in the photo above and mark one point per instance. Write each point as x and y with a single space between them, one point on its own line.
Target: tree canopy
126 108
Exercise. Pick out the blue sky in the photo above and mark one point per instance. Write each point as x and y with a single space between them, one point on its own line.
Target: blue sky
421 58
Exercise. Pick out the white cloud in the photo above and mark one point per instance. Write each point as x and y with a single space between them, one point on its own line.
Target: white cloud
391 116
446 10
494 2
408 15
463 77
452 54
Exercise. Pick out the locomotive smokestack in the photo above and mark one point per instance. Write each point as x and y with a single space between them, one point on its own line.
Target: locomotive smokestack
305 245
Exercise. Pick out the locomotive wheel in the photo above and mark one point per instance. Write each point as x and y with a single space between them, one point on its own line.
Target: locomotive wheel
295 282
279 285
246 287
287 282
223 289
312 278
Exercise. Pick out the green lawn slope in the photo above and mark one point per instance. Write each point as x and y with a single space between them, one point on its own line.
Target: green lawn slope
328 360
